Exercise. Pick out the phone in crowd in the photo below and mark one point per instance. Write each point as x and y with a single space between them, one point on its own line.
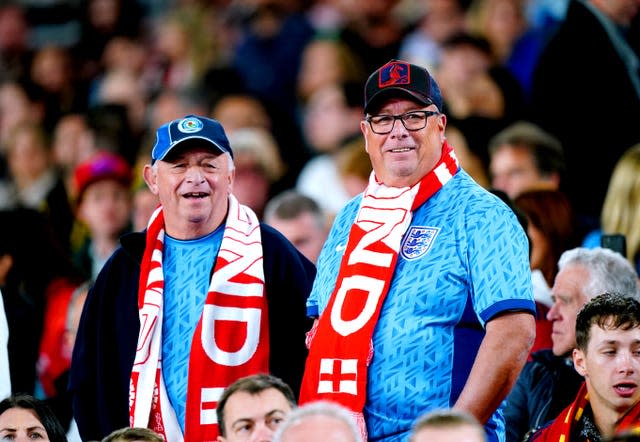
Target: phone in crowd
615 242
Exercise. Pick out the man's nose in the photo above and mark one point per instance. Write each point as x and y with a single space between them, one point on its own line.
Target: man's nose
398 130
627 363
262 433
552 314
195 175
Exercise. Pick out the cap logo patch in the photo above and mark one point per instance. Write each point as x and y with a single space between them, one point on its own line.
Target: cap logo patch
190 125
393 74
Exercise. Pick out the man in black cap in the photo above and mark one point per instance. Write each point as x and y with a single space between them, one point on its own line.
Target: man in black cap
423 291
204 296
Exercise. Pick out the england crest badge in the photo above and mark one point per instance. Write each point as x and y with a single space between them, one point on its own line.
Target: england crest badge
418 241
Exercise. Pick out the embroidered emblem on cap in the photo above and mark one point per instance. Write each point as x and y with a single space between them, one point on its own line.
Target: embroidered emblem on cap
190 125
394 73
418 241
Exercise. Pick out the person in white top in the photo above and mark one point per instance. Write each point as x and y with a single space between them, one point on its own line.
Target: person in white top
5 379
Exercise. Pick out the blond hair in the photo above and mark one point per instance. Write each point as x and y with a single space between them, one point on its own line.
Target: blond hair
621 208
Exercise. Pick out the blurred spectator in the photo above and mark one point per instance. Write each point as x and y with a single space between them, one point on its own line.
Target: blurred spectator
54 70
72 143
501 22
19 103
480 97
525 157
551 230
171 104
143 204
441 19
327 61
566 72
257 166
34 181
516 42
109 130
65 299
15 54
103 205
332 116
621 209
354 167
551 227
267 59
332 119
183 48
236 111
469 161
300 220
102 20
125 52
121 87
373 31
32 262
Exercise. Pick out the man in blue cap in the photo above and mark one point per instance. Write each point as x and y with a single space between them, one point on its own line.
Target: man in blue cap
206 295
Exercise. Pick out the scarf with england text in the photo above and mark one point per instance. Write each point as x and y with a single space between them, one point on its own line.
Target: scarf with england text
231 339
340 345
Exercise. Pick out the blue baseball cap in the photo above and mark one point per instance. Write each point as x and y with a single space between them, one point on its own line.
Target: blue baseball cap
191 127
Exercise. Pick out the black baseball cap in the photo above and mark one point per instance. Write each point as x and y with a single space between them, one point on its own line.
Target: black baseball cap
399 78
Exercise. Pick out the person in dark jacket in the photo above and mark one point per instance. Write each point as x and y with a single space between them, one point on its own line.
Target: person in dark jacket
587 71
204 296
548 383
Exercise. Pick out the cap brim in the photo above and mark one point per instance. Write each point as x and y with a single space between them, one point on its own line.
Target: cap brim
182 141
394 92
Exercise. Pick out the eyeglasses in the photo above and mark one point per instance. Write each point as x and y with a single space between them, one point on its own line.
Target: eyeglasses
414 120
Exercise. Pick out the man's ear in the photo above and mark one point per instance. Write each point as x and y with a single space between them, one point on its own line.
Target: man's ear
232 178
442 123
579 362
149 175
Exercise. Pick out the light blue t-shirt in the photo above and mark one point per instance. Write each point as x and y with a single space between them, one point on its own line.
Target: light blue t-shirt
463 260
187 267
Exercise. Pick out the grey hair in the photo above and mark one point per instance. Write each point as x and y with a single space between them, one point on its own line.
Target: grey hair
319 408
608 271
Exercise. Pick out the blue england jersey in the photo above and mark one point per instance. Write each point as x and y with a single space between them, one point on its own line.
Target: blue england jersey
464 259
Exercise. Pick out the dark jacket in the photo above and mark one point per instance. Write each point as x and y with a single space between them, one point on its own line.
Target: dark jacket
108 333
583 94
546 385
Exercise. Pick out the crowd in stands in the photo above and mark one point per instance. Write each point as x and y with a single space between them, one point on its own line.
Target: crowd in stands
542 100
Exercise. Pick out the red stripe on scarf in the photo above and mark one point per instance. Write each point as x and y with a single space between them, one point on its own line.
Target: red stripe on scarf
231 339
340 350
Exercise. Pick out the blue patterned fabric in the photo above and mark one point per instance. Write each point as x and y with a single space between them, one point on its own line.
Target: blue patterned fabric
189 263
463 260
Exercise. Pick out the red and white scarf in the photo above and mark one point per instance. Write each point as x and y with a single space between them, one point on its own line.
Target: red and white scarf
340 347
562 428
231 339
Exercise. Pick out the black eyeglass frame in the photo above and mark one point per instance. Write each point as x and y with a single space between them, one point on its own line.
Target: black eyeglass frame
400 117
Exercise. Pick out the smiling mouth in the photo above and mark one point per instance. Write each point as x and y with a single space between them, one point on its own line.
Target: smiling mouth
401 149
195 195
